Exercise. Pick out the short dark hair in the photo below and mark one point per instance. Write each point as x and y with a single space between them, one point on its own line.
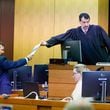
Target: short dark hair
85 15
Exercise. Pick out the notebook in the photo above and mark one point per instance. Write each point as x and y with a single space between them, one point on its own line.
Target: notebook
30 89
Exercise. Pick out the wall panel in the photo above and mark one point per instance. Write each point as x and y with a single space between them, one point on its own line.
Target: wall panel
37 20
103 14
7 26
34 21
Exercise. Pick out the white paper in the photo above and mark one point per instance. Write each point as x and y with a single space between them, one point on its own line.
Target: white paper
36 47
34 50
32 53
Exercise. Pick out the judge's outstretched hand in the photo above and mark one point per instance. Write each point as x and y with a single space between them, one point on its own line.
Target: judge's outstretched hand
43 43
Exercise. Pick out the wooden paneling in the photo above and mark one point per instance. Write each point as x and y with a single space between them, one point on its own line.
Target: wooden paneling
61 76
61 83
7 26
24 107
37 20
94 67
29 104
103 14
34 21
60 90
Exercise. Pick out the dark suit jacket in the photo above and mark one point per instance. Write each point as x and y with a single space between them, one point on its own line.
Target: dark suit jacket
5 65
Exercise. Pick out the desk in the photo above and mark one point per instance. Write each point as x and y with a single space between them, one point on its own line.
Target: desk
61 82
30 104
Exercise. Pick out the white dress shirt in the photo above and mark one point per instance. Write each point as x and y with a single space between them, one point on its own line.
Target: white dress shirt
77 93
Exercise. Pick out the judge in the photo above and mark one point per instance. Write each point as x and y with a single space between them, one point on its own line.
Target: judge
95 42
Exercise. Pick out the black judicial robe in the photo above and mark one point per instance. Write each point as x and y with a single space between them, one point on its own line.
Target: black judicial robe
95 43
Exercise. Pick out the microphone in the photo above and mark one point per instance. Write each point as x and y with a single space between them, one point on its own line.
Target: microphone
33 92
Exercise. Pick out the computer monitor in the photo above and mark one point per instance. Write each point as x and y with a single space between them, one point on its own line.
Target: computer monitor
71 50
19 75
6 107
96 84
40 73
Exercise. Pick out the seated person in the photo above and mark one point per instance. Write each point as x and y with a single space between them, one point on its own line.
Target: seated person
77 75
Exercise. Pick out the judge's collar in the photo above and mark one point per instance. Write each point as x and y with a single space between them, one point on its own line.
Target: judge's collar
85 31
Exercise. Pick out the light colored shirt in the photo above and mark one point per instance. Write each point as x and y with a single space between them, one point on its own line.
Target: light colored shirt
77 93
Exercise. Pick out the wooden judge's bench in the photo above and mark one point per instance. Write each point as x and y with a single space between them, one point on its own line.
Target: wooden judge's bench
61 82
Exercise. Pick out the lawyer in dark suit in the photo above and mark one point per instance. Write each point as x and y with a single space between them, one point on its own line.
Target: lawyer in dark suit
5 65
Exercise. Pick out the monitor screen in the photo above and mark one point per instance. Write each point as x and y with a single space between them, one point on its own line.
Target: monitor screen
94 83
40 73
19 75
71 50
6 107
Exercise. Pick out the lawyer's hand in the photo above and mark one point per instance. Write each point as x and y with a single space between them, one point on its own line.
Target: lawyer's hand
29 57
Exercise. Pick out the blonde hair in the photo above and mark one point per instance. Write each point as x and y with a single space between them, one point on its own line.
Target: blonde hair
79 68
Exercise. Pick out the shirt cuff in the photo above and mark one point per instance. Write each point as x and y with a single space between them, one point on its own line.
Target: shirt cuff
27 60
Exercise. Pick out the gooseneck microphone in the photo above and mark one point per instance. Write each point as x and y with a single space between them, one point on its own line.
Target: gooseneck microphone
33 92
